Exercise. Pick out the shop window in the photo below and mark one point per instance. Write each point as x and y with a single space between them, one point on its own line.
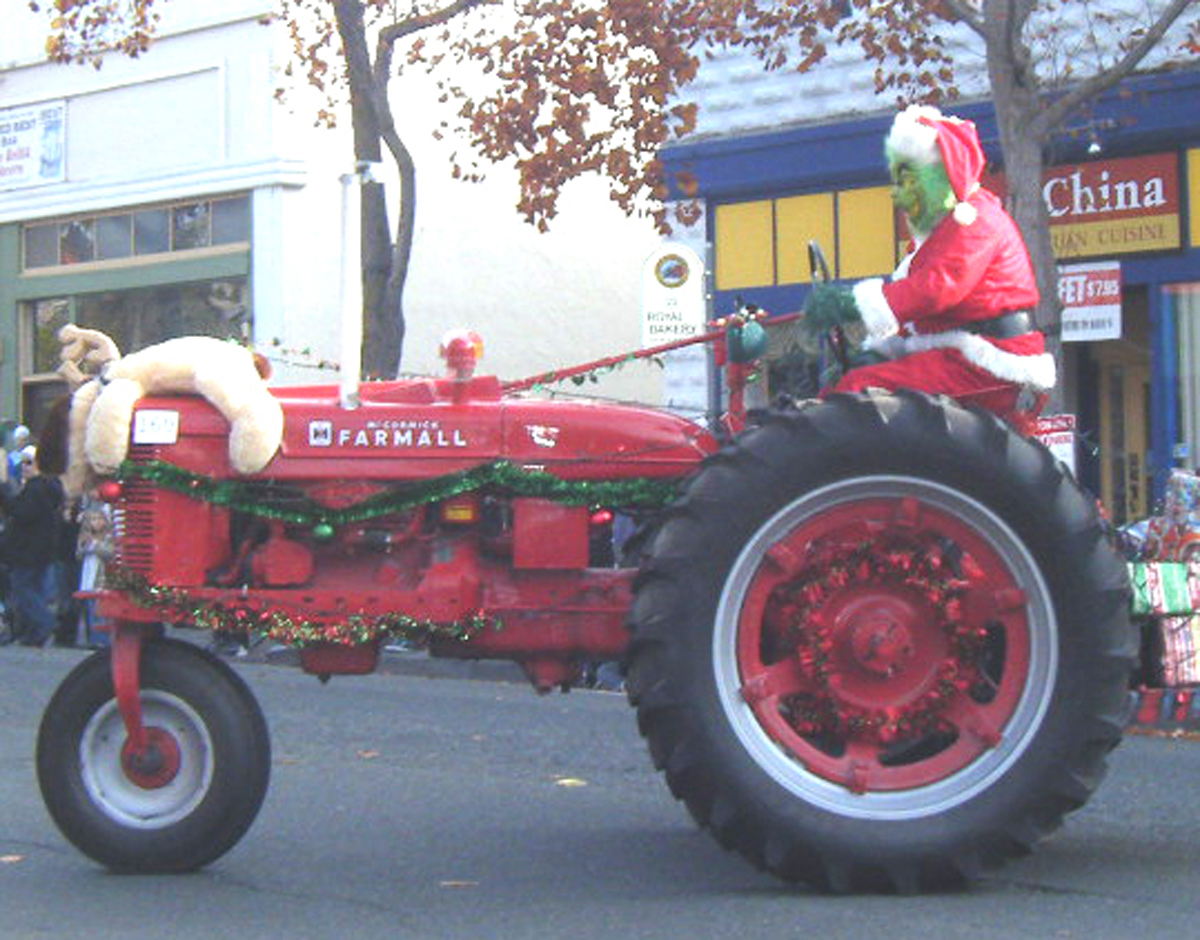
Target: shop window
47 318
189 226
41 246
231 221
151 232
134 319
114 237
77 241
139 318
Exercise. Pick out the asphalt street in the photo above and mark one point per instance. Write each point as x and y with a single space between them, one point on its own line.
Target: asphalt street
408 806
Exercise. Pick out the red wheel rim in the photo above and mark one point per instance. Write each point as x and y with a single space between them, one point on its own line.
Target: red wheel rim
883 643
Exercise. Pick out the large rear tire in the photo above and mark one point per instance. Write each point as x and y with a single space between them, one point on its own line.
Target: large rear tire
881 642
187 812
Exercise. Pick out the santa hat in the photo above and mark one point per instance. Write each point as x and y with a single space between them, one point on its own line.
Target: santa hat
925 136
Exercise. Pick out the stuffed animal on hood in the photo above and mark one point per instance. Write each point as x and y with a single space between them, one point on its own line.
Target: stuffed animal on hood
229 376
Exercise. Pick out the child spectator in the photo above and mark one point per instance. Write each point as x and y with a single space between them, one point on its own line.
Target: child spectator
94 550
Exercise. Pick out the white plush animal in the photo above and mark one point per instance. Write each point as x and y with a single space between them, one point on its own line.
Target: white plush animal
229 376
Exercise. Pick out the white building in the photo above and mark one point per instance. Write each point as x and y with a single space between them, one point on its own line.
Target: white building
171 194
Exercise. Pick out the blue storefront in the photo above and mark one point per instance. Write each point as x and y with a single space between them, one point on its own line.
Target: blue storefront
1122 185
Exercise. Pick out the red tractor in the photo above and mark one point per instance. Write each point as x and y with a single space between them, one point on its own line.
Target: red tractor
873 641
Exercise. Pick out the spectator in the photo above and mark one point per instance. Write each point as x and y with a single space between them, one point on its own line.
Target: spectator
94 549
31 544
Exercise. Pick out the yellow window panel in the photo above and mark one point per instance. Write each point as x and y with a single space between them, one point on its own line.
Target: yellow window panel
745 249
1193 172
866 232
799 220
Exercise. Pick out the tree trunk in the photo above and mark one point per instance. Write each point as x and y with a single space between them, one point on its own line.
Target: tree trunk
383 316
1019 117
383 285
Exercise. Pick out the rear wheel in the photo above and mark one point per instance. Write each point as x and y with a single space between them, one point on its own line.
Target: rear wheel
196 793
881 642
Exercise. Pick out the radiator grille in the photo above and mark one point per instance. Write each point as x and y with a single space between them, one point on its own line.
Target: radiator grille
136 517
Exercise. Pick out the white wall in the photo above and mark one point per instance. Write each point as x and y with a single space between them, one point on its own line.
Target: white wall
195 115
737 96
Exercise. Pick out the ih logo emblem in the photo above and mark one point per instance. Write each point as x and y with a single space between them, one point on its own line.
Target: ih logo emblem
320 434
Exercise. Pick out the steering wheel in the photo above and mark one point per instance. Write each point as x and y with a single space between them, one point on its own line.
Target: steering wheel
821 275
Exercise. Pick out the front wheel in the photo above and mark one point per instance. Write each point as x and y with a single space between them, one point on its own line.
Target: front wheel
881 642
207 784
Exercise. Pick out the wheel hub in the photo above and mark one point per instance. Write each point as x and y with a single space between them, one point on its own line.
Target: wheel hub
881 643
154 765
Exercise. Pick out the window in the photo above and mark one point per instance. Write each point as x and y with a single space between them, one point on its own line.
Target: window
134 318
151 232
139 318
231 220
77 241
48 317
114 237
188 226
41 246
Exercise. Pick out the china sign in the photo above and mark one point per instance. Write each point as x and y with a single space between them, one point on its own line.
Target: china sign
33 145
1111 207
1091 298
1114 206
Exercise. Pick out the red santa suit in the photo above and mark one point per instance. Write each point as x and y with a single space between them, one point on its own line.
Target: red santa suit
938 312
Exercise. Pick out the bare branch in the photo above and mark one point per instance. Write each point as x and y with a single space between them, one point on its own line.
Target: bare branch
1106 78
967 11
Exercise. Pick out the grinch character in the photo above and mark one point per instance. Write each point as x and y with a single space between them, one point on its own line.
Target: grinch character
956 317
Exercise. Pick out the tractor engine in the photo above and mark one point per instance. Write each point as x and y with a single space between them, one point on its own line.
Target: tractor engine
440 501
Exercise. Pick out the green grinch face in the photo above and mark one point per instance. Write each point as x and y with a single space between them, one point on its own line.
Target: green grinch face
922 193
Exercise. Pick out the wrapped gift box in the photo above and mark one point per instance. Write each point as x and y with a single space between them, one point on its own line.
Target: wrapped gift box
1180 650
1163 588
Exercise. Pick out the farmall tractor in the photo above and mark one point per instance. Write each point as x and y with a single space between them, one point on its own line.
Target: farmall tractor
878 641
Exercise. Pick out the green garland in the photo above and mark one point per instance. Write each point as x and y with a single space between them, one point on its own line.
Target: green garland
288 504
180 608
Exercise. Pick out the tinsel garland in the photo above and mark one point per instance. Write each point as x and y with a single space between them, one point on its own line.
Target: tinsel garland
287 504
257 623
922 569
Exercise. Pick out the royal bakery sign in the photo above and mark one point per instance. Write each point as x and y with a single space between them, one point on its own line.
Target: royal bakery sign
1111 207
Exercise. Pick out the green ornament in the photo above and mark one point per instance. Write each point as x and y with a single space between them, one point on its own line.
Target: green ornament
322 532
747 342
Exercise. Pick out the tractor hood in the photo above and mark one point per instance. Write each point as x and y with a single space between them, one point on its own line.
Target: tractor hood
422 428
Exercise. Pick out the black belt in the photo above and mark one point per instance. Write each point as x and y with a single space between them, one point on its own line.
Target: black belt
1005 326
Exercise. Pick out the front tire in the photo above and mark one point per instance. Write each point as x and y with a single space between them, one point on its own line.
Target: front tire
205 722
881 642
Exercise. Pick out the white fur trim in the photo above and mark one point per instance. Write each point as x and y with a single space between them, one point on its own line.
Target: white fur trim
912 140
890 347
873 307
965 213
1037 371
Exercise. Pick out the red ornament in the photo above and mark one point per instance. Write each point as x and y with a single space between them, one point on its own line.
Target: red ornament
109 491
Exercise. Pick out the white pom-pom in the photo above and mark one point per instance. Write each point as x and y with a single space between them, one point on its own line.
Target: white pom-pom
964 213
